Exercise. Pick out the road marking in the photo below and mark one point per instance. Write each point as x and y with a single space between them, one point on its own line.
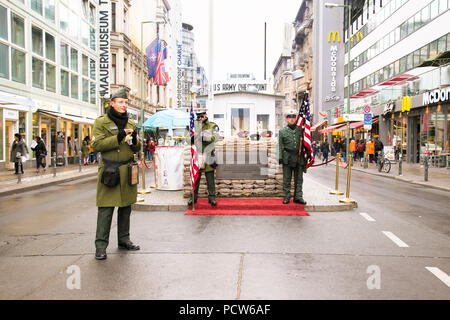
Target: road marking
367 217
441 275
395 239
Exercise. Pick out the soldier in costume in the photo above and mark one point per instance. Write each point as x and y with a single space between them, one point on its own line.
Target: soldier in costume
206 134
290 139
115 136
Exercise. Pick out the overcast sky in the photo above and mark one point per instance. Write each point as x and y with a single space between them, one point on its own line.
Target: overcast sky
239 33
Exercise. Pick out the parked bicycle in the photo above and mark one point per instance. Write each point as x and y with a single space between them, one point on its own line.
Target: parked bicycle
383 163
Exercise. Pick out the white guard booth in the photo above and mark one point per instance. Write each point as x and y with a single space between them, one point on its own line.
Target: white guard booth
169 168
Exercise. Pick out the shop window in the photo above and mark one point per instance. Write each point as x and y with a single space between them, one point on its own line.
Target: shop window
36 5
22 124
3 23
64 54
64 83
4 61
18 65
37 41
50 10
85 88
74 86
49 47
1 136
50 72
38 73
17 30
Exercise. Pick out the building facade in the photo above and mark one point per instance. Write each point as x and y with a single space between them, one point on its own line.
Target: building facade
48 74
407 96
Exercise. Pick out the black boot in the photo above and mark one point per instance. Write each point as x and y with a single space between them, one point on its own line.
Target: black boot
213 202
300 201
130 246
286 201
100 254
190 202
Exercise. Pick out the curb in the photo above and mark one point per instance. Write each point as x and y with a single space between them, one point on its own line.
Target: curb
46 184
403 180
178 208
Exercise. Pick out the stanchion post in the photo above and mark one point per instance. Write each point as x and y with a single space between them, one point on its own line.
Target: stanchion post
400 166
425 165
19 173
349 174
79 159
54 164
337 192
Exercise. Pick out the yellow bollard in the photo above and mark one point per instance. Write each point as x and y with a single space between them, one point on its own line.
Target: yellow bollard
337 192
143 191
349 174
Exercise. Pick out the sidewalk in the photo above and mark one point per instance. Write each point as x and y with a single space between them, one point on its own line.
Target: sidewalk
438 178
317 196
31 181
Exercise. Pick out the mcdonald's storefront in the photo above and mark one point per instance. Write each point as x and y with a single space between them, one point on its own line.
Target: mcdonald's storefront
418 125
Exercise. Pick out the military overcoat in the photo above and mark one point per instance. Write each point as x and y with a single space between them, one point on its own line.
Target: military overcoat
206 134
289 140
104 140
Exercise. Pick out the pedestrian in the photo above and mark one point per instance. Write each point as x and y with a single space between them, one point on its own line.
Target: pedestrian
353 149
361 147
370 150
41 153
344 150
315 147
206 134
145 148
115 136
290 142
19 152
151 149
85 150
69 146
379 147
325 148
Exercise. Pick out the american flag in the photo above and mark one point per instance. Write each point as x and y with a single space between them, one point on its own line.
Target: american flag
161 77
303 120
194 169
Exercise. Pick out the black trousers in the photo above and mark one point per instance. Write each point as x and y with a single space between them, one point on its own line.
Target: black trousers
210 183
39 162
104 219
18 165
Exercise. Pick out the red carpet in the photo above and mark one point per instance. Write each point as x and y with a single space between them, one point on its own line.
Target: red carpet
247 207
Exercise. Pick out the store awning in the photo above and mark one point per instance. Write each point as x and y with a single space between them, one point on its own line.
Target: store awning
71 118
314 127
332 128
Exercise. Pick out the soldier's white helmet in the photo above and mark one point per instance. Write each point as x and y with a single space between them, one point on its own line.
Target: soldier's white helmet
291 112
200 111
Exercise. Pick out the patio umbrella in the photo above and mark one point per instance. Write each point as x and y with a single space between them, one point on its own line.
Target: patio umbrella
170 118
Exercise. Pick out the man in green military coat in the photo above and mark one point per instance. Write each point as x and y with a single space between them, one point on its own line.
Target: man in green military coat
289 141
206 134
115 136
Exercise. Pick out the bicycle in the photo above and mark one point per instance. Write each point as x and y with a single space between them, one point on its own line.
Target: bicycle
383 163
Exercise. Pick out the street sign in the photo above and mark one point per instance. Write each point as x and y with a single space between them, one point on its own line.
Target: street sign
367 109
353 117
369 127
368 119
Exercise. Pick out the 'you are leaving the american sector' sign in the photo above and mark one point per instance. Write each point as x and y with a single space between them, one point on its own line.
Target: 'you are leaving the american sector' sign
104 16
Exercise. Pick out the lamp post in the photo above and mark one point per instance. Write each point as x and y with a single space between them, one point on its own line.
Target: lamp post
296 75
141 122
349 7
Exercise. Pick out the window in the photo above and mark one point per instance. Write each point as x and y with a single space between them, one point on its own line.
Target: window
50 73
64 83
17 30
18 65
442 44
396 67
74 86
92 38
411 25
73 59
85 65
409 61
416 58
113 17
402 64
36 5
287 101
404 30
91 14
50 10
423 54
85 93
434 10
3 23
433 49
442 6
37 41
85 33
64 54
425 14
418 20
4 61
38 73
63 18
92 69
93 97
113 68
49 47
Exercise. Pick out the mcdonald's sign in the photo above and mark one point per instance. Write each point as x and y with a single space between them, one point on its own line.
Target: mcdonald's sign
357 35
334 35
406 104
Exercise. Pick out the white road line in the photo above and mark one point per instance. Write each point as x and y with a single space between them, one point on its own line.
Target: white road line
395 239
367 217
441 275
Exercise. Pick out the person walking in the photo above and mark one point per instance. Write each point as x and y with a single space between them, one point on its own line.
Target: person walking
379 147
325 148
370 150
151 149
315 147
361 148
353 149
290 142
41 153
206 134
85 150
18 149
115 136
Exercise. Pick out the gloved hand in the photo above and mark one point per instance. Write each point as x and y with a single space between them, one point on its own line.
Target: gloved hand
121 135
134 135
280 161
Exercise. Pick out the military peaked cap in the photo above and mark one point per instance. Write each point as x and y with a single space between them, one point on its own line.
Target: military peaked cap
122 93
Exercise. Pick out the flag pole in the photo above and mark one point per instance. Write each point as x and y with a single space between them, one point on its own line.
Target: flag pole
192 188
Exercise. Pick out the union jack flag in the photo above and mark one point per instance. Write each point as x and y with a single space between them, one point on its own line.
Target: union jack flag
194 168
303 120
161 77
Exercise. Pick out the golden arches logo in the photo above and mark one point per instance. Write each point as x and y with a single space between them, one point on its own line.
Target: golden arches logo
357 35
334 35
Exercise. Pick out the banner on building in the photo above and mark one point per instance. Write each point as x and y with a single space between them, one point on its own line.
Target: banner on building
104 42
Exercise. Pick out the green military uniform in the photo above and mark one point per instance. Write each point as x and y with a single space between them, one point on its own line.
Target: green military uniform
288 146
123 195
206 134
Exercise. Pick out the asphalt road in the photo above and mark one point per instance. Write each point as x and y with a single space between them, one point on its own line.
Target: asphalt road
379 251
